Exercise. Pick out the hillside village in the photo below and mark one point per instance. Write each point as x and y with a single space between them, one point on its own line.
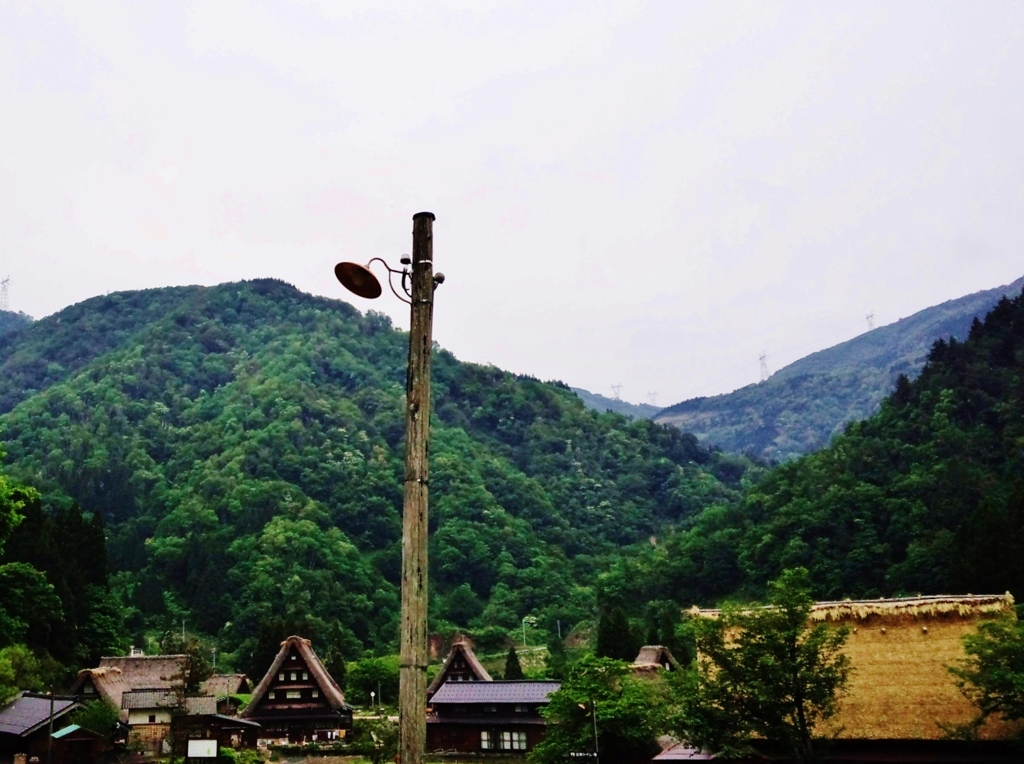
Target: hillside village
900 699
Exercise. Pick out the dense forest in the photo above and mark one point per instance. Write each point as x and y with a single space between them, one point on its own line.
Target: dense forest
802 406
229 459
240 446
9 321
927 496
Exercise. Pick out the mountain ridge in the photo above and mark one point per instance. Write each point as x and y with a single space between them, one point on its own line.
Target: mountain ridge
801 406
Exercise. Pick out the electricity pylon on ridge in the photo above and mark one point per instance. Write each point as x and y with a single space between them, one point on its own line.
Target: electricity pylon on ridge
653 398
763 358
616 389
5 293
870 318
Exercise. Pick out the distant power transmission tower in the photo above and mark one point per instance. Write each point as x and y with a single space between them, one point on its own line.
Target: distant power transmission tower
653 398
616 389
5 293
763 358
870 318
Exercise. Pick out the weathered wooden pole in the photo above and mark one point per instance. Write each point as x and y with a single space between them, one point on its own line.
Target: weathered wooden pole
412 698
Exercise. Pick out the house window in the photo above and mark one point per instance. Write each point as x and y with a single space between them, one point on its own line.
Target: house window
293 694
520 709
316 693
295 675
273 695
280 677
152 718
492 709
305 675
513 741
486 741
88 689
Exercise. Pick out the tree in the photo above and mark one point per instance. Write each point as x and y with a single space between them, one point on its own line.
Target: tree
614 636
513 670
557 662
97 715
764 672
602 696
992 675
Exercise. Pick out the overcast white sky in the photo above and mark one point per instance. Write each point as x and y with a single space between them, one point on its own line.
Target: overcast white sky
640 193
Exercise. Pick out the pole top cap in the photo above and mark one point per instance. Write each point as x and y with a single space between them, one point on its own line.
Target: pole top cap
424 214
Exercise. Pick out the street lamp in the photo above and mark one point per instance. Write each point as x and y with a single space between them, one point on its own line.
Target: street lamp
418 284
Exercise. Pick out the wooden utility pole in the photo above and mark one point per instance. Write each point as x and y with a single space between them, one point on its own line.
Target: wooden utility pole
412 701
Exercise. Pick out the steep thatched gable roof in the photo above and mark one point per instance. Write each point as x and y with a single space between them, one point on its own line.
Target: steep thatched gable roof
460 650
652 657
330 689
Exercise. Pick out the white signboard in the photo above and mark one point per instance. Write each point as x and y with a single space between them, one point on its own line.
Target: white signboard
202 749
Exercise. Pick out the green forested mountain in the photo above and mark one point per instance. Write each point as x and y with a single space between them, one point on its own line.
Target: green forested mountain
926 496
9 321
800 407
242 446
600 402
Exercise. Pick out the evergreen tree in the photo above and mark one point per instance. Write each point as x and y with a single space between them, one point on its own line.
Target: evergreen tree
512 668
557 663
614 636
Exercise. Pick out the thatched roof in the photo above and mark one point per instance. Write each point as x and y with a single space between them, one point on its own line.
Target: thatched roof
653 657
117 675
222 685
461 656
965 605
900 650
331 691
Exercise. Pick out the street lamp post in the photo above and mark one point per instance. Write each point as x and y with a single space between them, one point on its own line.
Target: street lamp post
418 285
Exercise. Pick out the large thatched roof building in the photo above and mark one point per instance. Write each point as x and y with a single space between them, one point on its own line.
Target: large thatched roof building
297 700
117 675
900 651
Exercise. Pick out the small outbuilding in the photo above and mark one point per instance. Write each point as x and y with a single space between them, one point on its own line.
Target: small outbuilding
25 723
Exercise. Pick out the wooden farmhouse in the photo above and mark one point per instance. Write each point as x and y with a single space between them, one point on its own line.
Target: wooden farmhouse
297 701
900 694
487 716
117 675
461 665
25 725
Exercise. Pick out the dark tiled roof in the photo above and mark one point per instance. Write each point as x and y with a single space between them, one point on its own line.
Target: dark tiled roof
509 691
30 710
134 699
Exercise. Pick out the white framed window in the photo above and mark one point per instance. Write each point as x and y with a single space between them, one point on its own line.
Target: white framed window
520 709
513 741
316 693
293 694
486 741
295 675
305 675
273 694
280 677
